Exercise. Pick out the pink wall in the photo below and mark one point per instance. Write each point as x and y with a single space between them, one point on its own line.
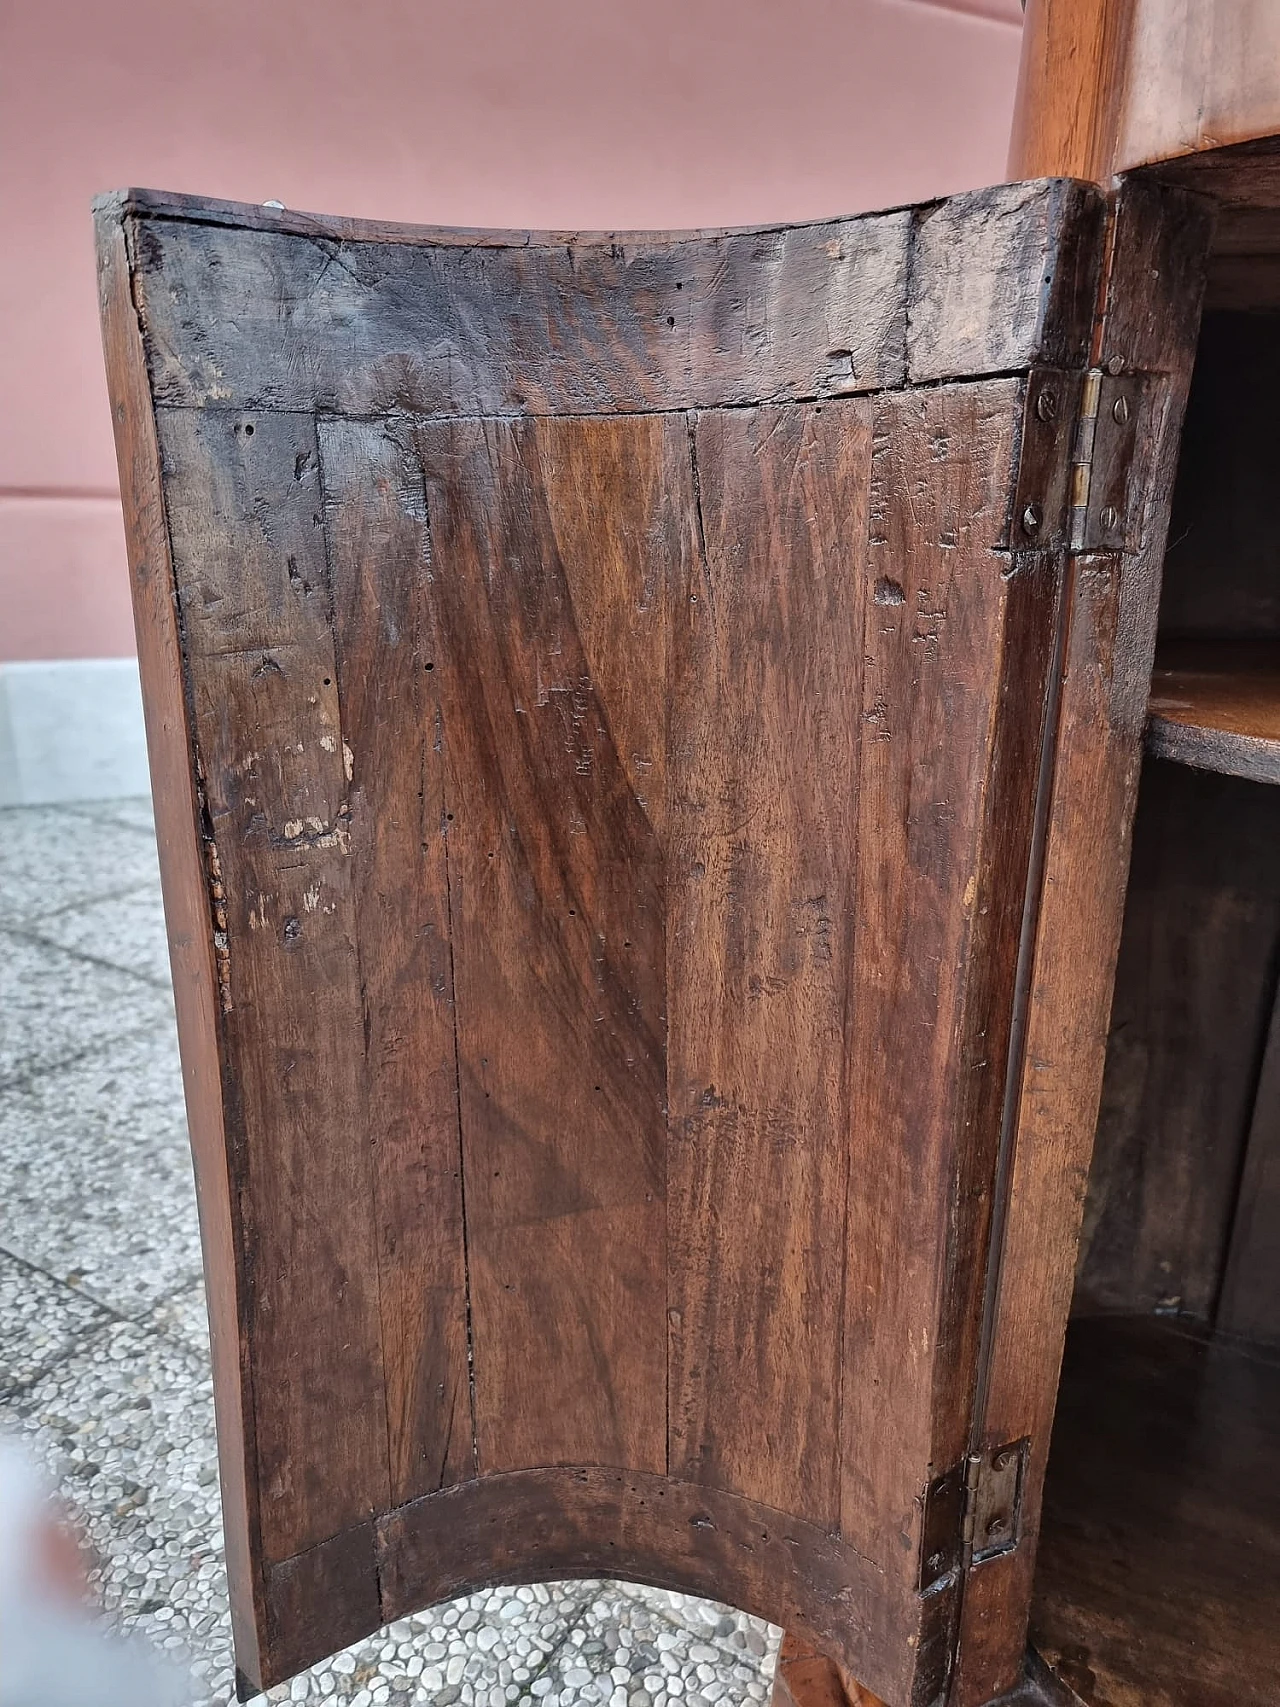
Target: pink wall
596 113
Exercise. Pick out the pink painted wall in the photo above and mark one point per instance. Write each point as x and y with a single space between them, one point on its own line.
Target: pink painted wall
563 113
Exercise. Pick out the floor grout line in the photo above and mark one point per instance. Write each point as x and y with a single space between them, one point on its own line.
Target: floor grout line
37 940
23 1081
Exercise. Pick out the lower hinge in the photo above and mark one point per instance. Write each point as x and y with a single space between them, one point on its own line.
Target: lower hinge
973 1513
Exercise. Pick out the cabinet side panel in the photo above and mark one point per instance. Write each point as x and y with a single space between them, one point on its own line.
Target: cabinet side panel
1151 313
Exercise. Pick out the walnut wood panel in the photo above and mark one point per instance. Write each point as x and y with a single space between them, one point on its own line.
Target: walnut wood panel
1151 309
379 558
557 905
1106 85
761 949
611 820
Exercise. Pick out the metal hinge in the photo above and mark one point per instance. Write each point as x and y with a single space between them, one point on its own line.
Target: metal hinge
1111 410
992 1501
972 1513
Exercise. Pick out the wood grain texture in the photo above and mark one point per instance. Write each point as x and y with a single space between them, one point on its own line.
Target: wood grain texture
245 513
801 311
971 311
1071 76
763 789
1249 1303
1160 1562
557 907
1105 87
1216 706
619 818
1151 308
379 555
188 905
938 913
571 1521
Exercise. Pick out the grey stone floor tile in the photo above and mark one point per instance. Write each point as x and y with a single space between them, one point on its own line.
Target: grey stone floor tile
631 1650
54 1006
125 930
750 1640
52 858
184 1317
40 1321
132 811
95 1173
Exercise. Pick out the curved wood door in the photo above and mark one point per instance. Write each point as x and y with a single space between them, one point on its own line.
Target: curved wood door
597 690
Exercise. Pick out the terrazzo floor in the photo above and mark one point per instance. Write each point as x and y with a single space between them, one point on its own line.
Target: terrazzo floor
104 1356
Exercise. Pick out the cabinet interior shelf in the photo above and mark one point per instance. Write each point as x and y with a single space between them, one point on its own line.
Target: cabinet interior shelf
1159 1563
1215 705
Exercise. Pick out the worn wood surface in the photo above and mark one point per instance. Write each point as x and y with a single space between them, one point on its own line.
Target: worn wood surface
1151 312
1159 1566
187 887
617 810
1216 705
1106 85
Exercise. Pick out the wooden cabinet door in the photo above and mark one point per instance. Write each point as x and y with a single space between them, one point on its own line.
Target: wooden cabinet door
602 695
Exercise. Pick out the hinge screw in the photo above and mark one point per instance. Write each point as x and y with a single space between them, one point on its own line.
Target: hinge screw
1115 364
1004 1459
1120 411
1109 517
997 1526
1032 516
1047 405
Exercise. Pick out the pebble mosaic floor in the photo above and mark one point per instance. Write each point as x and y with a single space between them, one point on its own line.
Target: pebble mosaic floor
104 1355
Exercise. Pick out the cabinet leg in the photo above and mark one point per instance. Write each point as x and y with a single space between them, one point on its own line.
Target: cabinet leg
806 1678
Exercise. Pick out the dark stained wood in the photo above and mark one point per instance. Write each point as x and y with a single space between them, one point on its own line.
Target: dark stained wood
763 799
619 815
186 882
1249 1304
1192 1008
1216 706
1152 300
1160 1557
565 1523
796 312
245 512
379 555
938 913
557 906
970 310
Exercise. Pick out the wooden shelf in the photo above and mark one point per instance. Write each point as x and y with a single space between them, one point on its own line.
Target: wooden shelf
1216 705
1158 1580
